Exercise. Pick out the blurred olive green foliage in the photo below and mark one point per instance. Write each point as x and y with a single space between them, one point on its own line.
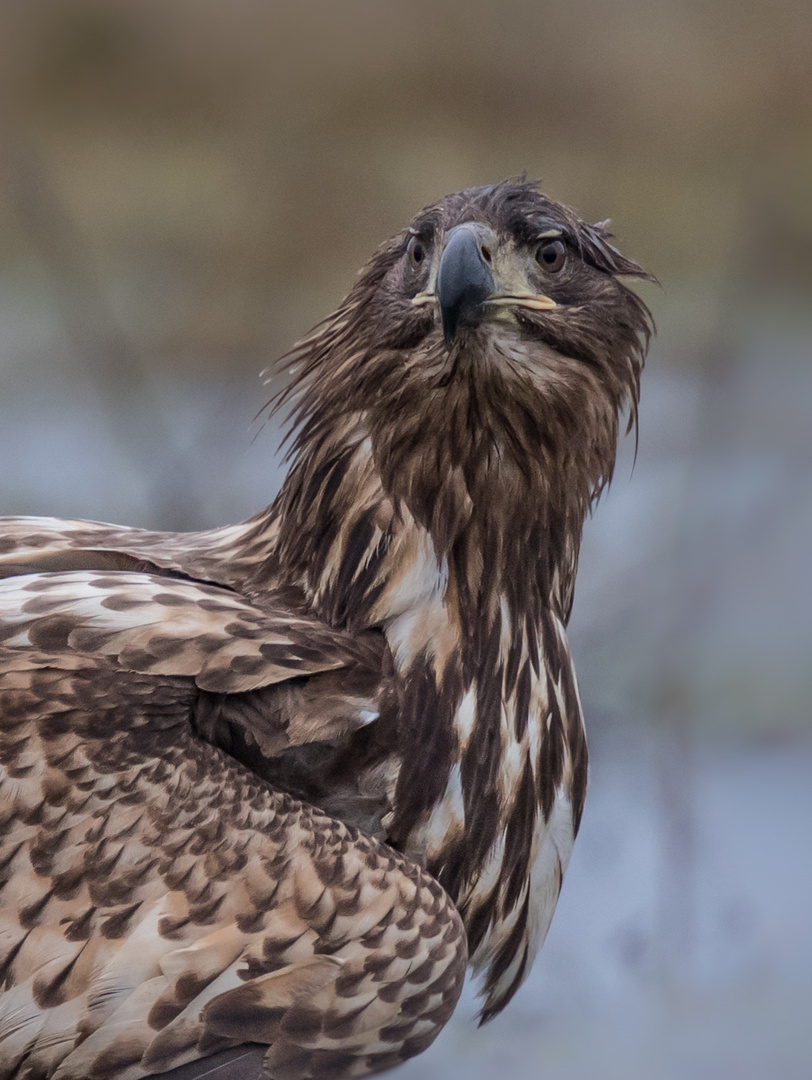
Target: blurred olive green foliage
226 167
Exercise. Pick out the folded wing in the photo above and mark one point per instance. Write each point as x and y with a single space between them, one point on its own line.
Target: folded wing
159 902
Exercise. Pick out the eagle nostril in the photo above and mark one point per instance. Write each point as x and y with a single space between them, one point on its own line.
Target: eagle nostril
486 253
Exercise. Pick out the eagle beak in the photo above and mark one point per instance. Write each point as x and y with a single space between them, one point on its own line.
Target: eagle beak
464 278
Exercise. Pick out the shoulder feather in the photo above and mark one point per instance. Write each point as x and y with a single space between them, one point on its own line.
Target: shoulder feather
165 626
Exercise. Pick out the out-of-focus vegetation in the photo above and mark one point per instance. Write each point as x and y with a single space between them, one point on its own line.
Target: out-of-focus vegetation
227 166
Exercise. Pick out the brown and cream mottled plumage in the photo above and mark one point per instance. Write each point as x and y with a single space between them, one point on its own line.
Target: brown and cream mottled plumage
278 782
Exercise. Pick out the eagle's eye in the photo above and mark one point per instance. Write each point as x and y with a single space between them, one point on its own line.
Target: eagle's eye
551 256
416 251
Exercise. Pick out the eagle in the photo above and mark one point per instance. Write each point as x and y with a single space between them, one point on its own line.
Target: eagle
278 784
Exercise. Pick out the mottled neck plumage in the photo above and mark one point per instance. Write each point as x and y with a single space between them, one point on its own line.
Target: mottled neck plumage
501 507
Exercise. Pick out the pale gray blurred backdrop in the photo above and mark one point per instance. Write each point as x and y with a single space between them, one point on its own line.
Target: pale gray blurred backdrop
188 185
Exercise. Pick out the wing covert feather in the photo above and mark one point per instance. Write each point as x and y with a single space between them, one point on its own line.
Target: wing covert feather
229 555
167 626
159 903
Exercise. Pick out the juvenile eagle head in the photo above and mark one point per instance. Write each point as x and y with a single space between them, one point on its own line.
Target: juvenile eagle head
490 347
455 419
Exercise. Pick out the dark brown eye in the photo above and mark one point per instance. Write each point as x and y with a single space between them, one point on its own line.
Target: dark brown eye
551 256
416 251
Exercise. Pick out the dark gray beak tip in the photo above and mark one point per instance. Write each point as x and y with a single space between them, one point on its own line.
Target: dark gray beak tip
464 280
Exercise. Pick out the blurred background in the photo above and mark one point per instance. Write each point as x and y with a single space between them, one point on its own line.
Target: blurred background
186 186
